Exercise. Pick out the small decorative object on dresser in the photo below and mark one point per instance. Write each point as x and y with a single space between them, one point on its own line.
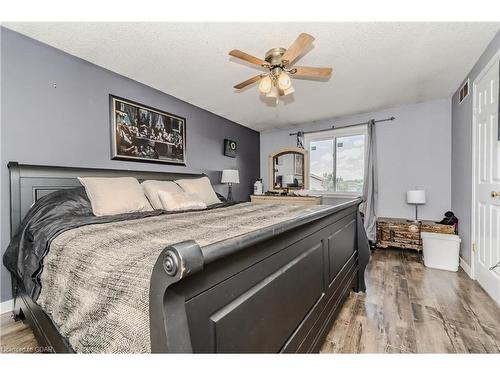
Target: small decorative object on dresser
401 233
230 177
258 187
286 199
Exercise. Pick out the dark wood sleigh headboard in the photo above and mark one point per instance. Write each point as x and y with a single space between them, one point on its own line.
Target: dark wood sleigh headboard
28 183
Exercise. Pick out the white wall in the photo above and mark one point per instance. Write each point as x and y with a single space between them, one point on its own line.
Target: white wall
412 151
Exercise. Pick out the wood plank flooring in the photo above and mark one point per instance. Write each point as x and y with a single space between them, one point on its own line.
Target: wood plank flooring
407 309
16 337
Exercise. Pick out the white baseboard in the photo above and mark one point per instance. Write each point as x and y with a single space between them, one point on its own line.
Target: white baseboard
6 307
465 267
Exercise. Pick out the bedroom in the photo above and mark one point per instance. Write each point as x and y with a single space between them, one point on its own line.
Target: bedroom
214 187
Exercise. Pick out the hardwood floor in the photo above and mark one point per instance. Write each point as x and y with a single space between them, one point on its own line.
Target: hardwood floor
407 309
16 337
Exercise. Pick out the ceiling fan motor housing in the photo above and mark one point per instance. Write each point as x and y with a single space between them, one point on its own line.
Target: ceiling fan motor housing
274 55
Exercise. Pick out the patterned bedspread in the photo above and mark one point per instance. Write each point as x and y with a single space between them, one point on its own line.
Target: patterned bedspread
95 281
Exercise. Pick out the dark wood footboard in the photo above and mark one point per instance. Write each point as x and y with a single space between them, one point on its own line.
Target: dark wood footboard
280 294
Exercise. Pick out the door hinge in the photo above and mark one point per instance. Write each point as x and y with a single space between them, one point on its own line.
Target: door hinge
474 247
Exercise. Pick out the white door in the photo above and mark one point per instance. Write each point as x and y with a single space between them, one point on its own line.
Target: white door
487 182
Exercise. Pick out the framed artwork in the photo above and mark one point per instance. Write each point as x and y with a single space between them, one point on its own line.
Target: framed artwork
146 134
230 148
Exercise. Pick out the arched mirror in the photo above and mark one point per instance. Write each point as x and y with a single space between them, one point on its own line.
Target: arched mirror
288 169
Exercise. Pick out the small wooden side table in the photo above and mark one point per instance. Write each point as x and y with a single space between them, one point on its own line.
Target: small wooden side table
405 234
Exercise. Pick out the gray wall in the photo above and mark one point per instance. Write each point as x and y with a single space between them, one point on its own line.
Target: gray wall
69 125
413 150
461 173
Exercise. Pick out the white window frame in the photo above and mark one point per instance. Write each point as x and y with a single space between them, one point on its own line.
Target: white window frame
332 134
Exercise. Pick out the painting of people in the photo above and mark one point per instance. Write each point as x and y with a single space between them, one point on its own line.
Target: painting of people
146 134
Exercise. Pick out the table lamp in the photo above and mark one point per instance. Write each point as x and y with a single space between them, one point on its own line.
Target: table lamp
415 197
230 177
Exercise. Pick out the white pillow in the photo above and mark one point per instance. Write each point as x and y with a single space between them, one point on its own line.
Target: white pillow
180 201
153 187
111 196
201 187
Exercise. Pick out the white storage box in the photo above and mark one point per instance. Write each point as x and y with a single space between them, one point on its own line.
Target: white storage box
441 250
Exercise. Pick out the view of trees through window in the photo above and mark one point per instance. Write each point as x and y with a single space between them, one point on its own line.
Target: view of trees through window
337 164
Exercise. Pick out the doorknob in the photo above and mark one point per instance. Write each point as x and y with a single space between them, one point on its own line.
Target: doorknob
495 194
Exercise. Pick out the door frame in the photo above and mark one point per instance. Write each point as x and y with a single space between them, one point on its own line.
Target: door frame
491 62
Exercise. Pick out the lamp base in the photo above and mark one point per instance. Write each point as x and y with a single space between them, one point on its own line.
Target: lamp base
230 193
416 216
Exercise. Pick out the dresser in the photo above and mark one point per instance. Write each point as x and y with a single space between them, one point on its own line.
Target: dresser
401 233
285 199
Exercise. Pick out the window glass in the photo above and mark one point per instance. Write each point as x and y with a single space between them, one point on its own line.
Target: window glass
350 163
337 163
321 165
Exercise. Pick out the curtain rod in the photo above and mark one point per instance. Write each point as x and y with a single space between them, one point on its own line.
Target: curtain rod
345 126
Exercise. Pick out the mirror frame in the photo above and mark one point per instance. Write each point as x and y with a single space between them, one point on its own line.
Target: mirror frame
288 150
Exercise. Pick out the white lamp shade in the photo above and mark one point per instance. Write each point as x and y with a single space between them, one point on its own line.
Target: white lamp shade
415 196
230 176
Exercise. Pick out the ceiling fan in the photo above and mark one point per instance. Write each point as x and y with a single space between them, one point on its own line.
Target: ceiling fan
279 64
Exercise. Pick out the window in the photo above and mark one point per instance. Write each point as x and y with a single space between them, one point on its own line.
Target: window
337 160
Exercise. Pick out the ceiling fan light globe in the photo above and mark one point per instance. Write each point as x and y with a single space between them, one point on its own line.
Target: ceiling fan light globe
284 81
289 90
265 85
273 93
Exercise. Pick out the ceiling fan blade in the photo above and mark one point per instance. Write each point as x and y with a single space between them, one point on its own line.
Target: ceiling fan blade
312 72
249 81
297 47
248 58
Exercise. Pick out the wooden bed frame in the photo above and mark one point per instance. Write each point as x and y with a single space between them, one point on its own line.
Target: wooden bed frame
277 289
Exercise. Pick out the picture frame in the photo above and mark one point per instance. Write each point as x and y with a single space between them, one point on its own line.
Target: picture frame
145 134
230 148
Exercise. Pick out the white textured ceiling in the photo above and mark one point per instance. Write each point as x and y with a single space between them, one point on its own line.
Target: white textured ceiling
375 65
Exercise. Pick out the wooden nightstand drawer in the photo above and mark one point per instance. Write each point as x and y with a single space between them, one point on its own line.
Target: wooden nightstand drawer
392 235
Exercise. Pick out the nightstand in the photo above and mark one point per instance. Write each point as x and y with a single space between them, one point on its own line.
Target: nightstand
285 199
404 234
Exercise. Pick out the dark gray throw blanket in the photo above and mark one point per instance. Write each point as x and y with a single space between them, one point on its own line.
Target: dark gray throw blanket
95 279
